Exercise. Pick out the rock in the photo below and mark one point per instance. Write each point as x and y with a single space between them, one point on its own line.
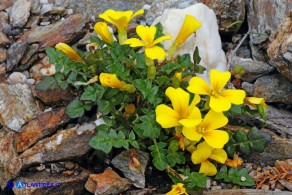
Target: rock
20 12
279 89
27 56
55 96
264 18
227 12
279 120
3 55
17 105
248 88
60 146
253 69
56 184
42 68
15 53
46 8
125 162
39 127
271 152
106 183
207 37
5 4
3 20
61 31
8 152
16 77
245 192
3 39
280 50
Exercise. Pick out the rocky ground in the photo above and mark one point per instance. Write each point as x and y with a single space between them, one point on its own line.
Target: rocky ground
38 142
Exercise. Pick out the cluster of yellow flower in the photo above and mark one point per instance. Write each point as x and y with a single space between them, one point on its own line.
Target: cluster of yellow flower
184 115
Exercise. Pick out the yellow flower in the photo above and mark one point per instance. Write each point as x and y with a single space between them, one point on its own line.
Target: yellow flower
147 34
190 25
233 163
207 130
102 30
205 152
182 113
121 20
66 49
111 80
253 101
220 100
177 189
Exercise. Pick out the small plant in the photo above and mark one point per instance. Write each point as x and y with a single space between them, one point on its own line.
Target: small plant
147 98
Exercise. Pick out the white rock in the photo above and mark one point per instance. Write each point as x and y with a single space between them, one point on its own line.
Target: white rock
16 77
207 37
46 8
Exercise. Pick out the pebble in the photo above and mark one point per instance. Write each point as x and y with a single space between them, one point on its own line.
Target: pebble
17 77
45 23
41 167
208 184
248 166
30 81
216 187
265 187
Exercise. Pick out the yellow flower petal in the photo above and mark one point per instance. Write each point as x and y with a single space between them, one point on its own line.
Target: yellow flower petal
102 30
189 123
253 101
208 169
120 19
66 49
190 25
235 96
146 33
177 189
166 116
160 39
204 144
137 13
219 155
219 103
199 86
180 101
216 138
195 101
219 79
134 42
155 52
111 80
191 134
201 155
214 120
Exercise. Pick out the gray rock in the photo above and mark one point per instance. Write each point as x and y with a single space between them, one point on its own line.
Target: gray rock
20 12
16 77
5 4
264 18
3 20
277 149
17 105
227 12
61 183
248 88
273 88
61 31
253 69
27 56
123 162
60 146
15 53
46 8
280 50
279 120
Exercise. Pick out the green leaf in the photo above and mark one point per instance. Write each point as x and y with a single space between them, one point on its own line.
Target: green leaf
48 82
104 106
101 142
150 127
174 158
241 138
258 139
169 67
235 176
158 153
148 90
75 109
196 56
196 179
89 94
